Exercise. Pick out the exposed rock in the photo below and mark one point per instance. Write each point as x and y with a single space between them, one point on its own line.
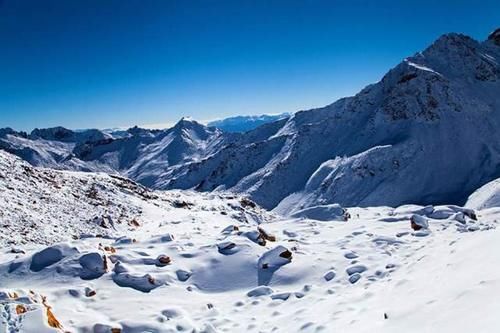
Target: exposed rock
330 275
226 247
163 260
354 278
265 235
20 309
356 269
418 222
275 257
495 36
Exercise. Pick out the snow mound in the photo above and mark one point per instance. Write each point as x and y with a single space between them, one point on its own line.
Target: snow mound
487 196
332 212
50 255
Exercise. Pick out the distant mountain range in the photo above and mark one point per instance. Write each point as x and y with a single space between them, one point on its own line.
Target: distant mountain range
245 123
426 133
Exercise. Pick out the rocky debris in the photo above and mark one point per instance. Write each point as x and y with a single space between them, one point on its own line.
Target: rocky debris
107 248
245 203
134 188
17 250
103 221
20 309
182 204
89 292
265 235
134 223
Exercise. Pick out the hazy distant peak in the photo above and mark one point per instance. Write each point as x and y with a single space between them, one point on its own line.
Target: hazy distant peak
245 123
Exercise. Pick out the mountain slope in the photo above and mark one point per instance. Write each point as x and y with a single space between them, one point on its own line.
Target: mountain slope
43 206
417 136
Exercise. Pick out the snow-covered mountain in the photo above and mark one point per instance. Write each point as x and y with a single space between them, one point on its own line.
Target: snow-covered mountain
419 135
149 156
145 155
245 123
427 132
98 252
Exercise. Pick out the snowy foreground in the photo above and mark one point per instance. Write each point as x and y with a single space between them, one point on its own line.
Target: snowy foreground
218 263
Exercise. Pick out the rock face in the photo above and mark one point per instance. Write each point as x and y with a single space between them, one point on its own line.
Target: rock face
495 36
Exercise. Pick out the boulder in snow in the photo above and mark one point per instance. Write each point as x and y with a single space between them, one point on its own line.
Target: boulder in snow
93 265
275 257
50 256
418 222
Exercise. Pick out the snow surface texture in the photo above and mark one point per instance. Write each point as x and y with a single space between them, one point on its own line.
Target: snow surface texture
417 136
200 263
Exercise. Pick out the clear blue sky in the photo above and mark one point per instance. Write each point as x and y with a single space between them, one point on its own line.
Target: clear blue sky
102 63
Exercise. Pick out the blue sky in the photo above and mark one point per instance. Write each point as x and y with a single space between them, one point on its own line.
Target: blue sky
103 63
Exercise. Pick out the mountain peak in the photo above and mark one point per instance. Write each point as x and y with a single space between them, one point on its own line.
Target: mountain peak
189 125
58 133
187 122
451 41
8 130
